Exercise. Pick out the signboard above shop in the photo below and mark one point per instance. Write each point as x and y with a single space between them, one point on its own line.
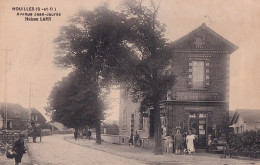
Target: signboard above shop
199 96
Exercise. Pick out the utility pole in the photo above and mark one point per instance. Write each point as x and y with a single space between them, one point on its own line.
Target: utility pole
30 102
6 70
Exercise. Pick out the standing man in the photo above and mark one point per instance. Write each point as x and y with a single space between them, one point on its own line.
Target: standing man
19 149
34 129
89 134
76 134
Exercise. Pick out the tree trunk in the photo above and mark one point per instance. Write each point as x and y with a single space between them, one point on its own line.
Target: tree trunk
157 127
98 133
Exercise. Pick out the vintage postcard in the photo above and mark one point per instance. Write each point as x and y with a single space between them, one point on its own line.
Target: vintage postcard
129 82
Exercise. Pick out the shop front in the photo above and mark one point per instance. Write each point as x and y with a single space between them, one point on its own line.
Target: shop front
205 120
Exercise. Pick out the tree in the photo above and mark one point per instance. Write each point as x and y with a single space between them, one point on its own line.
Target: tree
74 102
150 78
93 46
127 47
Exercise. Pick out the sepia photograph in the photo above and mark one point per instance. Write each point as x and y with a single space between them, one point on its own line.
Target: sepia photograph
129 82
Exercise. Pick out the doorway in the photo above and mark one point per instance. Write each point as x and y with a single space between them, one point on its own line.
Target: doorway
198 125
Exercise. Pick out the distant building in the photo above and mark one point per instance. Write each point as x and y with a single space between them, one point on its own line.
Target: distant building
198 101
18 117
36 116
244 120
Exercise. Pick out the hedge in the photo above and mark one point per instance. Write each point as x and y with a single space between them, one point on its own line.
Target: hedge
245 144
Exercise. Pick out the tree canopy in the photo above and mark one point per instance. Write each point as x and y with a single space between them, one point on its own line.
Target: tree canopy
108 47
74 101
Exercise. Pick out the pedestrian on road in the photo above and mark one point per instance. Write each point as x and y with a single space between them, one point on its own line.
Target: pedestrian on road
34 131
190 142
84 135
178 140
76 135
19 149
131 140
137 139
89 134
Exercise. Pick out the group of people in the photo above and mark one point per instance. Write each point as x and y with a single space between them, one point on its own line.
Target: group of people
184 142
85 135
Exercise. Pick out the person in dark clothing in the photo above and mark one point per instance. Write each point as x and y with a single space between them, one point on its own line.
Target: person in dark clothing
76 135
137 139
19 149
89 134
178 141
131 140
34 129
84 135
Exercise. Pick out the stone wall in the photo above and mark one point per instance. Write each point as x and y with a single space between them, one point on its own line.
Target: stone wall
7 137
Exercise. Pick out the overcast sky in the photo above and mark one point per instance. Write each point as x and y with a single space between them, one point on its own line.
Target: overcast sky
31 54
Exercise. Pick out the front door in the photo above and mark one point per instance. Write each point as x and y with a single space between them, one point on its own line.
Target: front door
198 126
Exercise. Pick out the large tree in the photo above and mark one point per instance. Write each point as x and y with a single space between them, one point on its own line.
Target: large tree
150 77
127 47
93 44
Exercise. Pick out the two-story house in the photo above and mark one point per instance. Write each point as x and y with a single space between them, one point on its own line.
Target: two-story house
198 100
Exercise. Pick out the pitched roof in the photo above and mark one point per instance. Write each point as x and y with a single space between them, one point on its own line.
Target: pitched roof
250 115
210 40
36 112
13 110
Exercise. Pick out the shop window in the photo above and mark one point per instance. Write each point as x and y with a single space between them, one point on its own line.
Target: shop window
202 115
192 115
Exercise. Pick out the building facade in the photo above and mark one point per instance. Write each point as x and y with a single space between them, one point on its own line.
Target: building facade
199 98
18 117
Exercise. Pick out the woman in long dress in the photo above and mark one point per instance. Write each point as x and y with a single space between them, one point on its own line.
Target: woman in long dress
190 142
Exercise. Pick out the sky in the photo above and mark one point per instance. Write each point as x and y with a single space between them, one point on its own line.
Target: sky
31 49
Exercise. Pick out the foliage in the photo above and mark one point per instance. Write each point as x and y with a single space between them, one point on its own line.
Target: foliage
125 47
74 102
150 79
93 45
94 42
245 144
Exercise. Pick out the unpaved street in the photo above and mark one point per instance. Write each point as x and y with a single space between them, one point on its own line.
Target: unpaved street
55 150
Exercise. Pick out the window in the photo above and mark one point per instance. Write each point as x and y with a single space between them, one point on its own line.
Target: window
17 114
198 74
124 119
141 121
202 115
192 115
199 71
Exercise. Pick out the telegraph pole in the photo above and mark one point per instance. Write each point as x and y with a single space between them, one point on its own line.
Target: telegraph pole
30 102
6 70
